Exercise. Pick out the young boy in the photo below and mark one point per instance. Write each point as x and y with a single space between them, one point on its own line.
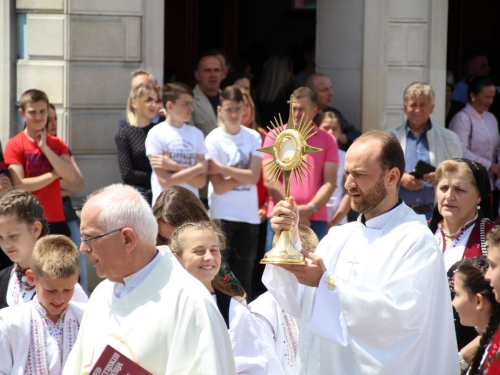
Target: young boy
176 150
37 160
36 337
280 331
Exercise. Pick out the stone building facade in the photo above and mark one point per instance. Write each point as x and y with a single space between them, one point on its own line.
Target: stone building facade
81 53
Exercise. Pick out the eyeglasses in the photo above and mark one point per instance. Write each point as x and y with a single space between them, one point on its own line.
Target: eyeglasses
85 240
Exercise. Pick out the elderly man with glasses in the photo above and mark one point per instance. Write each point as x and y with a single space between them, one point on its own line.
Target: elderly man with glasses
149 308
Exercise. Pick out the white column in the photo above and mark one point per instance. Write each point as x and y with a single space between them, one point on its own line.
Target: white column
7 69
372 50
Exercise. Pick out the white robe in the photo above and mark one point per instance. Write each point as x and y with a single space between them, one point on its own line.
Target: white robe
251 356
279 332
390 312
16 334
168 325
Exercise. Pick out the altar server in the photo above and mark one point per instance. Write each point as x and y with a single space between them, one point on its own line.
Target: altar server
37 337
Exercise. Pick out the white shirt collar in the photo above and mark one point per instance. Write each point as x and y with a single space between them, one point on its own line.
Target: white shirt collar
133 281
379 221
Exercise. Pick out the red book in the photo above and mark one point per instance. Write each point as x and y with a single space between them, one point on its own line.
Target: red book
112 362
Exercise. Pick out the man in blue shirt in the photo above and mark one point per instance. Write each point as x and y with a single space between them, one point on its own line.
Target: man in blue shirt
422 140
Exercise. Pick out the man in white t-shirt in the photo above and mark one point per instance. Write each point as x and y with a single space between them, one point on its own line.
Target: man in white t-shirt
176 149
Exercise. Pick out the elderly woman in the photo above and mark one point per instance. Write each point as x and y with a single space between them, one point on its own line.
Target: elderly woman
477 128
461 220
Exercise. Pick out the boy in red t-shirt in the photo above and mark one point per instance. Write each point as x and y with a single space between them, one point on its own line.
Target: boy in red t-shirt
37 160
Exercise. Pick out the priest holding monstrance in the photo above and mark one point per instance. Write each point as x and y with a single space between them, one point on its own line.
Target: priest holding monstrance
373 298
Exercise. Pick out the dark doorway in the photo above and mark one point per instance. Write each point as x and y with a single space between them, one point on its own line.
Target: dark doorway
247 30
473 26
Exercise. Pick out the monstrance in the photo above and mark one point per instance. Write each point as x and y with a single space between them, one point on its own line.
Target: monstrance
289 156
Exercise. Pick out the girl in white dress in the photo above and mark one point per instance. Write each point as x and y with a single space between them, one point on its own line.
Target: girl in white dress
198 246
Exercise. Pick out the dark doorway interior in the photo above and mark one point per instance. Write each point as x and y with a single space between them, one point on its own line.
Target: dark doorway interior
247 30
473 26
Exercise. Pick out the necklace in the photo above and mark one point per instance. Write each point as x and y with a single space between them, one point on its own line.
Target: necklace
462 228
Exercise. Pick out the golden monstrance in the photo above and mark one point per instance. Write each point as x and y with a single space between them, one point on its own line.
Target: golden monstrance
289 155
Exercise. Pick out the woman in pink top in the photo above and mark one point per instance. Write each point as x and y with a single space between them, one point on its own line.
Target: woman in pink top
477 128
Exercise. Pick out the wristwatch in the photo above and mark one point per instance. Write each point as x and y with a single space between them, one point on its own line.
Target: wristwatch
461 361
313 206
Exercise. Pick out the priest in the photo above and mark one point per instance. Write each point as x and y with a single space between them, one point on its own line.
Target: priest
373 298
149 309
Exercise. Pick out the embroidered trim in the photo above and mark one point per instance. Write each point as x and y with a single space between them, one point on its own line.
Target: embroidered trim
482 236
291 331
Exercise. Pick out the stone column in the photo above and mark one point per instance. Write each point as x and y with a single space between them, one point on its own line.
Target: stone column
372 50
81 53
8 52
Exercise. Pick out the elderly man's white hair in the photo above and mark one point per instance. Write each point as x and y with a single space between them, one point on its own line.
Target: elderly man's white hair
123 206
419 88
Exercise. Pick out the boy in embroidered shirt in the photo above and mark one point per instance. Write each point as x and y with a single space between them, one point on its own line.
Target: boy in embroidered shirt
37 160
36 337
176 149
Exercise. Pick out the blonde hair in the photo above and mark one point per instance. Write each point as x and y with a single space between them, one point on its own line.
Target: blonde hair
308 239
251 123
419 88
178 243
139 94
452 166
225 282
55 256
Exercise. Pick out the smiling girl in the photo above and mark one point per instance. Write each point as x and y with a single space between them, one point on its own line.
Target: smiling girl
22 222
198 246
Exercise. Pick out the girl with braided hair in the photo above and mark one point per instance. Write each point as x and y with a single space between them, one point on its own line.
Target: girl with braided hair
477 307
491 362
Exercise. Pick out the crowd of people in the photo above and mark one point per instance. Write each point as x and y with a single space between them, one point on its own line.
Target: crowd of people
402 289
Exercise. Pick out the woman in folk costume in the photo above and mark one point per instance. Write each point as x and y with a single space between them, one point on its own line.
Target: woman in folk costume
198 246
461 222
22 223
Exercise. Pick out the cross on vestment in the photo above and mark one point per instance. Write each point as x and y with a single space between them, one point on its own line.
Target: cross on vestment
353 262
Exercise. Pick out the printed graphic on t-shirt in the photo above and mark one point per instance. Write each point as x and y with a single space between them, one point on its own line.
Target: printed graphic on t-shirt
182 152
36 163
239 160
